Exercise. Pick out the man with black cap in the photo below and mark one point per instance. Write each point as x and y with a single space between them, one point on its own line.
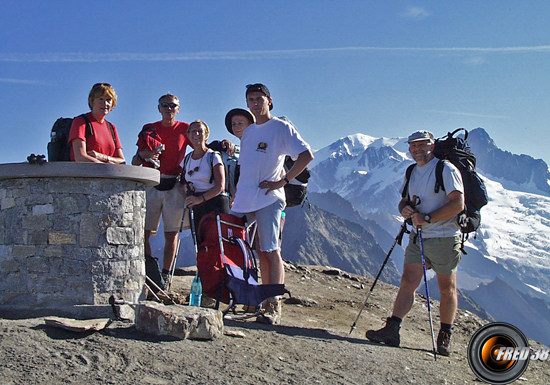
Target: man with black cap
260 194
436 213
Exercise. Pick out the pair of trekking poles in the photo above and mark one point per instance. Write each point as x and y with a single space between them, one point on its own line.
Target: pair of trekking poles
398 240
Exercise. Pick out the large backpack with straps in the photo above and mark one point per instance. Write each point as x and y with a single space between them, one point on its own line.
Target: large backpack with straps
230 164
58 147
296 190
456 150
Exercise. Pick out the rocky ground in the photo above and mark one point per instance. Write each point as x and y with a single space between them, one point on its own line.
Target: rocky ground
312 345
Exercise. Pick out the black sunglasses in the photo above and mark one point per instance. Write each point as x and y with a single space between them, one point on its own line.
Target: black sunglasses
171 105
102 84
190 172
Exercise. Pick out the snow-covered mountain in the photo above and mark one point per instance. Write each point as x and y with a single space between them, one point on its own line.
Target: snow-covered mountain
513 242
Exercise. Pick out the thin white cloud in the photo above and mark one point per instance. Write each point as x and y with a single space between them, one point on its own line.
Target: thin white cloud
474 61
469 114
22 81
246 55
416 13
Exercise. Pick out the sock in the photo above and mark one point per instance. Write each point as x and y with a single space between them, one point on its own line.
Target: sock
396 319
447 327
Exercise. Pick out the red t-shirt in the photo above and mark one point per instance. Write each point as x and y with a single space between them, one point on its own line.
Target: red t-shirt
102 139
175 142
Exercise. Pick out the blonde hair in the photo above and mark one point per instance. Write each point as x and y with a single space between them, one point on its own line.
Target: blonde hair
204 125
100 89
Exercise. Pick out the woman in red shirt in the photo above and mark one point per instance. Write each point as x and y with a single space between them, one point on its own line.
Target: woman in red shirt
102 145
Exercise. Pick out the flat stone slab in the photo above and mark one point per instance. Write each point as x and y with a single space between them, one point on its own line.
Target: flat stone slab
145 175
183 322
79 326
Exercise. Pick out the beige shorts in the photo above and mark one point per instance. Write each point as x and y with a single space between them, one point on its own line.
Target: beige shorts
443 254
170 205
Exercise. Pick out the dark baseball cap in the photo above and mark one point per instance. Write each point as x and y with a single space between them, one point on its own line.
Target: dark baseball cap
259 87
237 111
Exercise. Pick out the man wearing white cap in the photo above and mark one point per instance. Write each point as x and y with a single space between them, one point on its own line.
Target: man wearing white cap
436 213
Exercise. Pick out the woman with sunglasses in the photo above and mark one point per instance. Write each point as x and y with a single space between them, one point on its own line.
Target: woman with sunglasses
92 138
203 175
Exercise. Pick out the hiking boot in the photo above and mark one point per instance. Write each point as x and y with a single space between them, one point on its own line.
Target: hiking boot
444 343
271 313
388 335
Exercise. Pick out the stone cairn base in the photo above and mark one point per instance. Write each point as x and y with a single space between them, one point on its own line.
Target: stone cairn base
68 243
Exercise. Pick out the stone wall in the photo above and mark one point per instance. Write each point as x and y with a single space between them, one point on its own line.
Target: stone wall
70 242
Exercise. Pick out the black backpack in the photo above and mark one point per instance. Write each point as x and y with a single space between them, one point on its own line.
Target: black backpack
58 147
457 151
296 194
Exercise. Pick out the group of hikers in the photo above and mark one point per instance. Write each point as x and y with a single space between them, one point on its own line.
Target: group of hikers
198 181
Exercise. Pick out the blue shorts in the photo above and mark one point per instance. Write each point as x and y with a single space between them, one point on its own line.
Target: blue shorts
268 220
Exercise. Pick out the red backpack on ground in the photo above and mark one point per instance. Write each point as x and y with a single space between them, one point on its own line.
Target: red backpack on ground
226 264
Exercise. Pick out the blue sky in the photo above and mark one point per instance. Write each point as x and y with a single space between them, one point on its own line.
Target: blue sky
382 68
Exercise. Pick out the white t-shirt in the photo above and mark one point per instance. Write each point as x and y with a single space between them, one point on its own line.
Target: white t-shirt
263 150
201 177
422 184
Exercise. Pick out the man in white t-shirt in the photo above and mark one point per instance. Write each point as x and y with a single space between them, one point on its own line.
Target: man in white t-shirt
436 213
260 194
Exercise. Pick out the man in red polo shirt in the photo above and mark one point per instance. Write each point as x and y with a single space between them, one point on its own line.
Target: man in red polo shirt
164 199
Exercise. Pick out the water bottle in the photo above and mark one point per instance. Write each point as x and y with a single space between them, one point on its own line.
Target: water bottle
196 292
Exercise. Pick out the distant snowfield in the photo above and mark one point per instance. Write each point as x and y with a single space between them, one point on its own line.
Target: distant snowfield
515 226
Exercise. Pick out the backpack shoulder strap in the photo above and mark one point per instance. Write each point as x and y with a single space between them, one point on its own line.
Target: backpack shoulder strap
439 176
408 173
185 161
89 128
112 132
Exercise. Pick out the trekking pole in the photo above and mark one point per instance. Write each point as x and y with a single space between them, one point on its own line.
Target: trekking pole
419 229
193 230
151 282
398 240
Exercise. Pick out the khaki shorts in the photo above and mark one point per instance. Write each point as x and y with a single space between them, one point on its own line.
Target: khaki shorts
443 254
170 205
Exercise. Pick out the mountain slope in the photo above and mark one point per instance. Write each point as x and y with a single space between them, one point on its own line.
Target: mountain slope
514 172
316 237
532 314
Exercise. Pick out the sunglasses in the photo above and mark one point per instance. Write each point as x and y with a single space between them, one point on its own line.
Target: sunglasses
102 84
190 172
171 105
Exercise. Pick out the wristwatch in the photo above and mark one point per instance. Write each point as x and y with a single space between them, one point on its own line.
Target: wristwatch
428 218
